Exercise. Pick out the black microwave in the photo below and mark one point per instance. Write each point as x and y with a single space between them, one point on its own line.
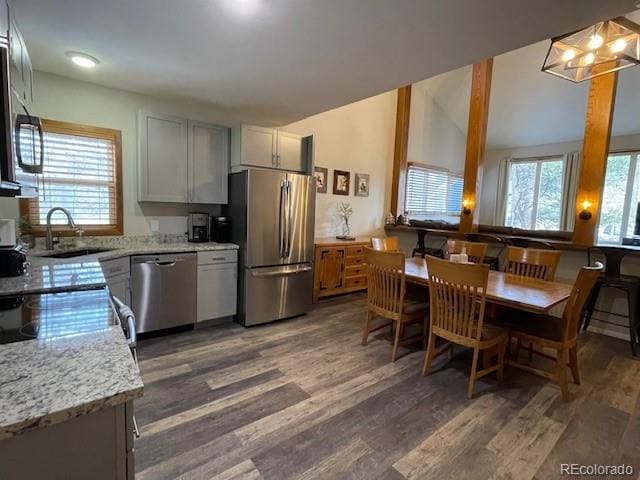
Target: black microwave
21 138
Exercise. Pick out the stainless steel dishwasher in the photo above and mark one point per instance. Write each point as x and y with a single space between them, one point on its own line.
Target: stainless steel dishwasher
163 290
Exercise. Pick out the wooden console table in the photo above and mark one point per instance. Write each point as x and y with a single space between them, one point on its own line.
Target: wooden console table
339 266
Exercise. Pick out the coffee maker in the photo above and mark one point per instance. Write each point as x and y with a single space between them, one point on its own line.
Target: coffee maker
198 227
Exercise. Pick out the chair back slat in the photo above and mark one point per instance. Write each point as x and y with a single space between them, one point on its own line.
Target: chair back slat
385 244
457 297
476 251
532 263
386 282
586 280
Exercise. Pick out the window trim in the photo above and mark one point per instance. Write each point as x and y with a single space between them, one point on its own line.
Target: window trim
634 155
56 126
536 193
425 166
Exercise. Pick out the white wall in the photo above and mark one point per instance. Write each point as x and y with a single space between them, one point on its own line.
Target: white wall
434 139
358 138
69 100
492 159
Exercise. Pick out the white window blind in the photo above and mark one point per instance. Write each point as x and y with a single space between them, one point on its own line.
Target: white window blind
433 191
79 175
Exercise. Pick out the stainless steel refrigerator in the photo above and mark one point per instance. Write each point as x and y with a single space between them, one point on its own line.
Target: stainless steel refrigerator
272 219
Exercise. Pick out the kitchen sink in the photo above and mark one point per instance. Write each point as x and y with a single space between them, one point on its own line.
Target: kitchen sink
77 253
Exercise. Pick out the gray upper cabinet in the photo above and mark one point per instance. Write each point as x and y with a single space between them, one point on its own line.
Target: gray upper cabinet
162 160
20 68
208 163
253 146
257 146
181 161
289 151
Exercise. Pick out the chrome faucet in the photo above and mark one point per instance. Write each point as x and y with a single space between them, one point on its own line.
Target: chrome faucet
50 242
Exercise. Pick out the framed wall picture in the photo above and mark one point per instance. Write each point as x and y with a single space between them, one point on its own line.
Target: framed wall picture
361 188
322 177
341 182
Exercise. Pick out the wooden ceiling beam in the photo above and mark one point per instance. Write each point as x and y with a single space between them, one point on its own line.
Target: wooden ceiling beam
399 181
595 149
476 141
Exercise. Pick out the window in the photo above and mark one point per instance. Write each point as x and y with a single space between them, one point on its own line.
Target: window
82 173
432 191
535 193
619 207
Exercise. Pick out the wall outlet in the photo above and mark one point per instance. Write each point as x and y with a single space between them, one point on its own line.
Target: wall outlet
154 225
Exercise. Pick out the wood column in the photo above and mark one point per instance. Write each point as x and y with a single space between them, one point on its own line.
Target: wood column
595 148
476 140
399 181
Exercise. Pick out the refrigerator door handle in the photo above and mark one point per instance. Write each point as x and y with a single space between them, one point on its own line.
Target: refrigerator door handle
281 212
281 273
289 220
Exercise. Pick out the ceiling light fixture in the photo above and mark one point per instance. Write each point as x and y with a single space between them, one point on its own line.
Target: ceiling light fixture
83 60
605 47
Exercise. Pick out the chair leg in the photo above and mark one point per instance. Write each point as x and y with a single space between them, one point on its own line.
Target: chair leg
396 341
573 364
501 354
561 374
428 356
367 327
472 377
516 351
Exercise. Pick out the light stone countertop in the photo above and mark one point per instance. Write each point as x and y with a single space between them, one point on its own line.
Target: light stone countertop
46 274
48 381
44 382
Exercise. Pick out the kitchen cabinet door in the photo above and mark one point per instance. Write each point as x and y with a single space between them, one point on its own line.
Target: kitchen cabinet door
331 267
289 151
208 163
257 146
217 291
162 158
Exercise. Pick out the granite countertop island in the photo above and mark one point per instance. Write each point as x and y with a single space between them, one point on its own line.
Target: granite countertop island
79 366
44 382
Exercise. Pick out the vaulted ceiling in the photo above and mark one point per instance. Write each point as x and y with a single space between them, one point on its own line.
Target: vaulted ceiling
529 107
282 60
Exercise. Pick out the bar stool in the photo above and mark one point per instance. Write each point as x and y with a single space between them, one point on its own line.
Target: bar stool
612 278
421 250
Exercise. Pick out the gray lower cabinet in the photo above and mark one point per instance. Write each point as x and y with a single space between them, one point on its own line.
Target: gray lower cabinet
98 446
181 161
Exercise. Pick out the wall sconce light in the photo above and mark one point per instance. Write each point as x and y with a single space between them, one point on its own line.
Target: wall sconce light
585 214
466 207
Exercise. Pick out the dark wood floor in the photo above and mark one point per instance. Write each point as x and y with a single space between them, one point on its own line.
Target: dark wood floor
303 399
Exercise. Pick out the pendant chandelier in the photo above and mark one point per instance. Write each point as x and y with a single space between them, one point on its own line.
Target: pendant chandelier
605 47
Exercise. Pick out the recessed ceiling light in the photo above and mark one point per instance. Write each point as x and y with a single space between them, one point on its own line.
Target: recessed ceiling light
83 60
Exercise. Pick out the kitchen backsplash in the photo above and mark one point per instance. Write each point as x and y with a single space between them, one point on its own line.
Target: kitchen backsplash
116 241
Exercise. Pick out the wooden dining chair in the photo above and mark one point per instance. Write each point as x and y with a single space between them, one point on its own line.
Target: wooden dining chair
385 244
386 290
532 262
475 250
457 298
559 334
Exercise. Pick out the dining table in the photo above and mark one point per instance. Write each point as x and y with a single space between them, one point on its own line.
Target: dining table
506 289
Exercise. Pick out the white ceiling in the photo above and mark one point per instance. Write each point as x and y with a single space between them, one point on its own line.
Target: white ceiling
529 107
282 60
